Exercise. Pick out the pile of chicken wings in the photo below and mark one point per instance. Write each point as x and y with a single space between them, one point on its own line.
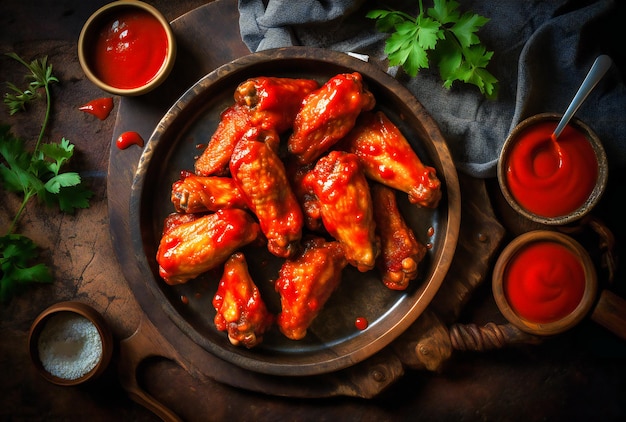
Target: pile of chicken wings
310 171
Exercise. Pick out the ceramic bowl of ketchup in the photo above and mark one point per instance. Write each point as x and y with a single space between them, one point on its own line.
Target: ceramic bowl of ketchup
544 282
549 181
127 48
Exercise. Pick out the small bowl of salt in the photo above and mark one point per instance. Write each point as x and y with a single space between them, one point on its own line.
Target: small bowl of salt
70 343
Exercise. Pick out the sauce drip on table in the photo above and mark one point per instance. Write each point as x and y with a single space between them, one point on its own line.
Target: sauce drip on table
549 178
130 50
100 107
544 282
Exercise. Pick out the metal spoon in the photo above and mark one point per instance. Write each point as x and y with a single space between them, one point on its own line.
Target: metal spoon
597 71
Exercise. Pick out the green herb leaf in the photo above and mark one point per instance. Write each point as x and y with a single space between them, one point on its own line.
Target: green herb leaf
444 12
74 197
57 154
387 19
13 173
55 184
16 269
466 27
441 35
40 76
33 174
17 100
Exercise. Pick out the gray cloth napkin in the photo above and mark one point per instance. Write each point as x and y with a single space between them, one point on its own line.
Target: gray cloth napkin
542 52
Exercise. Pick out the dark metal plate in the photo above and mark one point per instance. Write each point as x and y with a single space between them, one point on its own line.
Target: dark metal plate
333 341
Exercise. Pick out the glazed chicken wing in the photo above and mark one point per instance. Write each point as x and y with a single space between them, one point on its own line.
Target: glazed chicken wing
176 219
241 311
387 157
401 252
189 249
234 122
265 102
306 282
346 206
200 194
260 176
306 197
327 114
273 102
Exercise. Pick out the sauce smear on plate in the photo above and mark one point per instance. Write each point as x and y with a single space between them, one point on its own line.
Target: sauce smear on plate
129 138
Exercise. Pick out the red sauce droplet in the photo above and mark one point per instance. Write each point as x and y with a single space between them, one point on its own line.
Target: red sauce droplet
548 178
100 107
127 139
386 172
544 282
361 323
130 50
431 231
184 299
185 174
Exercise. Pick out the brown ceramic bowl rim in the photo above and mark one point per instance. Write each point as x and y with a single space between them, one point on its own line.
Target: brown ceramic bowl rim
92 24
562 324
595 195
85 311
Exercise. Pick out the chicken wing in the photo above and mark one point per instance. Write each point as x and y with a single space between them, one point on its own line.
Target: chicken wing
401 252
241 311
346 206
274 102
306 197
176 219
201 194
193 247
387 157
260 176
234 122
305 283
327 114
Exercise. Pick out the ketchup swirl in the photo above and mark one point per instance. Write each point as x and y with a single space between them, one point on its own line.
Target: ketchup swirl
544 282
130 50
551 178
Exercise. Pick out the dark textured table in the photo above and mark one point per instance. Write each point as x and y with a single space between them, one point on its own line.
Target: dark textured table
579 375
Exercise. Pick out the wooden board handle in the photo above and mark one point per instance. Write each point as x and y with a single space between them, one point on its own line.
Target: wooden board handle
610 312
146 342
471 337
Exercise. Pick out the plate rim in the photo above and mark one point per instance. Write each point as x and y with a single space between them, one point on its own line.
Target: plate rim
451 193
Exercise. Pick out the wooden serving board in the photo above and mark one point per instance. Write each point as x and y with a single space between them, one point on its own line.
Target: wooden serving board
207 38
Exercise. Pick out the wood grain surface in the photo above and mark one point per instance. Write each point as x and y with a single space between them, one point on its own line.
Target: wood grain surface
580 375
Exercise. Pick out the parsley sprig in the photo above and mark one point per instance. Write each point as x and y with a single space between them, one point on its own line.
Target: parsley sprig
440 34
33 174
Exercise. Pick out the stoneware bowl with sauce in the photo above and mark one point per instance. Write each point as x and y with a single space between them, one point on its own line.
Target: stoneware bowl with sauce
127 48
552 182
544 282
70 343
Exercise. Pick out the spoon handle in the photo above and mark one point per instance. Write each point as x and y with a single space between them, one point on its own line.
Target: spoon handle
597 71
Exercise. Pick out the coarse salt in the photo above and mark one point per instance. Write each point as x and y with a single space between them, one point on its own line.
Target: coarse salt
69 346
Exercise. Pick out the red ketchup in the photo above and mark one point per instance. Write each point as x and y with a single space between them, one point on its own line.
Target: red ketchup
130 50
100 107
549 178
361 323
544 282
127 139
